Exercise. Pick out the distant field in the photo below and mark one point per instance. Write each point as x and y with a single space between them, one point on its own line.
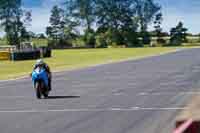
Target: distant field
37 42
3 42
40 42
73 59
192 40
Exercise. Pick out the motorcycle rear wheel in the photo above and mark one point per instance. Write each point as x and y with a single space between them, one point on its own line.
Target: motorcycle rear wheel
46 94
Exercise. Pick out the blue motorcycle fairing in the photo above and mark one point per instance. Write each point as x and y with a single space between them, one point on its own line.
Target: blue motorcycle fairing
40 75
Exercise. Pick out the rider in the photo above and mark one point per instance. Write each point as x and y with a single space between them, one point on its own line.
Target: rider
41 63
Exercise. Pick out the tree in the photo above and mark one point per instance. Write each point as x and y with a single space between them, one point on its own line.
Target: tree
26 22
27 18
81 13
41 36
178 34
56 30
146 11
115 14
11 17
49 31
117 18
89 38
32 34
158 30
198 35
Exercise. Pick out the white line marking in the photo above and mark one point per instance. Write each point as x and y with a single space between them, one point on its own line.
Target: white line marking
144 94
163 109
14 79
115 109
167 93
14 97
92 110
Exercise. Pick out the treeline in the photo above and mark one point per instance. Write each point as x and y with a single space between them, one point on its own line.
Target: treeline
103 23
14 20
92 23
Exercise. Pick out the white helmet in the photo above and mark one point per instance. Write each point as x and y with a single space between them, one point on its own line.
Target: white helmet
39 62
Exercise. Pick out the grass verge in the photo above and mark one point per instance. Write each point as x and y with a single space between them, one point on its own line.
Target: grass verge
74 59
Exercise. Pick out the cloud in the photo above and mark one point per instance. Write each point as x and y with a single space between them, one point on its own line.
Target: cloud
173 12
172 16
40 19
41 15
51 3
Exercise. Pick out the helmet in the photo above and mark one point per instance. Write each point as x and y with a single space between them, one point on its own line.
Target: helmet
39 62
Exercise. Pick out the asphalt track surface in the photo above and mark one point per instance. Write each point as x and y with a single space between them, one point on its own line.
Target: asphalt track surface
128 97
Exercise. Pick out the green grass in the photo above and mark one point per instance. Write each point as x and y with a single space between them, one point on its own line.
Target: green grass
40 42
73 59
3 42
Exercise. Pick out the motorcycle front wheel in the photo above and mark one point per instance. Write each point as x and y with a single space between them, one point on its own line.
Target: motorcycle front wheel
37 90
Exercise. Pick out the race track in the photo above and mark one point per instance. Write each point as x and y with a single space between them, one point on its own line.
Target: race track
128 97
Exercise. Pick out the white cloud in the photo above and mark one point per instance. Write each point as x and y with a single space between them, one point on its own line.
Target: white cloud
51 3
40 19
41 15
173 16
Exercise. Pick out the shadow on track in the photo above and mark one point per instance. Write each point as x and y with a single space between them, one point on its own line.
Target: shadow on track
63 97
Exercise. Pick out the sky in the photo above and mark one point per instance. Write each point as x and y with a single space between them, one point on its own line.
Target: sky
187 11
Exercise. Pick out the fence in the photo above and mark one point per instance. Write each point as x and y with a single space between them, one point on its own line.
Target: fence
7 48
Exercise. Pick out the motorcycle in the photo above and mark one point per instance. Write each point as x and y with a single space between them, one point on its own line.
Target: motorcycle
40 82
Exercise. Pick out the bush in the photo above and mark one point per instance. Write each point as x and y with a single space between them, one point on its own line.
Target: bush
59 44
175 41
132 40
178 35
79 43
90 40
114 37
161 41
101 41
146 39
